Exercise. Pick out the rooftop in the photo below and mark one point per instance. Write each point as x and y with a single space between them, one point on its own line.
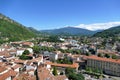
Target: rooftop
104 59
74 65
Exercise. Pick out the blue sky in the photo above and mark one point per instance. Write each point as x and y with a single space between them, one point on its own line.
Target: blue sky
50 14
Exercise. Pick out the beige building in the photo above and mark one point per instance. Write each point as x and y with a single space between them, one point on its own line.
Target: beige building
107 65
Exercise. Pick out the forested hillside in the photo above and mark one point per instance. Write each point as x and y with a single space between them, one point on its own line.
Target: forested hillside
11 30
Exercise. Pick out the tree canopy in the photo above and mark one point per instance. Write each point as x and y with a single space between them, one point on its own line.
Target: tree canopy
36 49
26 52
72 75
54 71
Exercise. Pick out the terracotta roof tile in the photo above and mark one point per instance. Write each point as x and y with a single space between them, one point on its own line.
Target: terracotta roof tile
27 43
7 74
24 76
74 65
19 61
104 59
17 66
44 74
2 68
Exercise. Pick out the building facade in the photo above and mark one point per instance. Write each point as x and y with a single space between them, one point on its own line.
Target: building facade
108 66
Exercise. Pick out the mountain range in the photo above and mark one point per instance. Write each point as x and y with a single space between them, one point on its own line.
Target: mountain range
11 30
71 31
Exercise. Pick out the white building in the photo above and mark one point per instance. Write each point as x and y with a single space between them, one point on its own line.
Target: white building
20 51
30 50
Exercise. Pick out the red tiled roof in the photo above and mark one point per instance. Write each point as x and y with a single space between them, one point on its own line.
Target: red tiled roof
19 61
104 59
2 63
44 74
27 43
2 68
74 65
7 74
13 50
17 66
106 51
36 59
5 54
24 76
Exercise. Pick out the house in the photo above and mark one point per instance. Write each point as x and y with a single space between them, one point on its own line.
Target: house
31 72
30 50
8 75
45 74
25 76
46 54
20 51
61 55
2 49
17 61
30 67
79 59
38 60
5 54
13 52
27 44
16 67
22 44
15 44
3 69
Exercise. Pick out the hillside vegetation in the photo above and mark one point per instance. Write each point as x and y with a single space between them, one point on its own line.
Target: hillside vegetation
10 30
112 32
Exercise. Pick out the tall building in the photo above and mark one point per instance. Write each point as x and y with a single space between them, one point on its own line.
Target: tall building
107 65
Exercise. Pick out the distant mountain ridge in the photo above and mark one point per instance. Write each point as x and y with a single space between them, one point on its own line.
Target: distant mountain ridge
111 32
71 30
11 30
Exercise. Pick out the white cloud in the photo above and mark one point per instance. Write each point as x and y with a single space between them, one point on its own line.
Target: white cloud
98 26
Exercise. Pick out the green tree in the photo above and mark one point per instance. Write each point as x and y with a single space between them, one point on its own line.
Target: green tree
100 55
87 54
80 77
64 61
24 57
36 49
114 56
107 55
54 71
92 51
69 70
26 52
11 30
72 75
88 69
78 52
